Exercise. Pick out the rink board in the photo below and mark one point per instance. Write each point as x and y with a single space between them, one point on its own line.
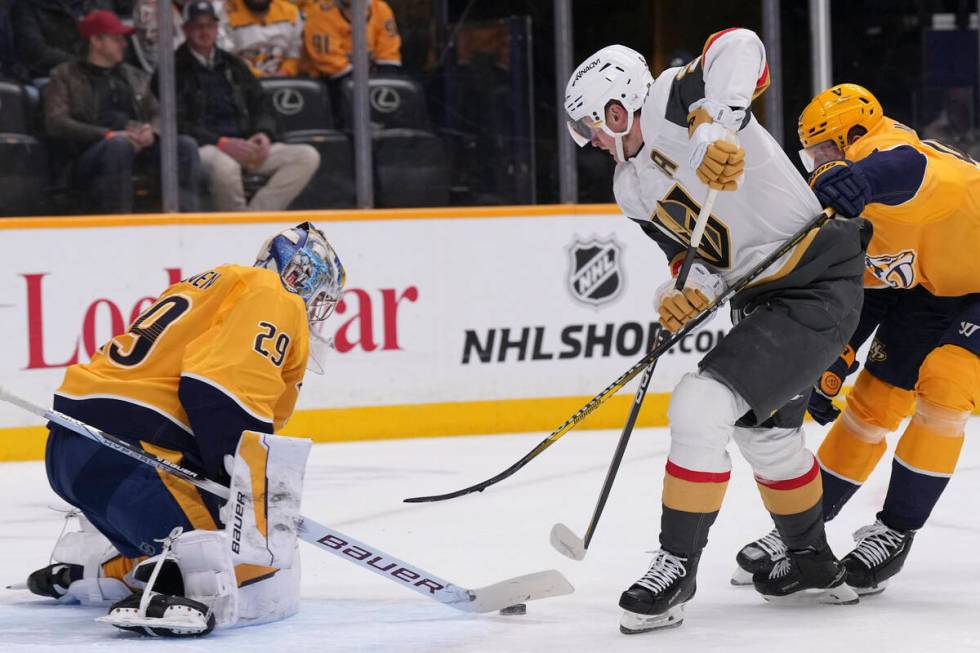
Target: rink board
454 321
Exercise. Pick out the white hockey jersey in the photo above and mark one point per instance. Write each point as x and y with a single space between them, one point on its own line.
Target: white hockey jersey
772 202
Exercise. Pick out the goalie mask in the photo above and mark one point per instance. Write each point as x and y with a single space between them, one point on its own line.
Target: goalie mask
613 73
307 266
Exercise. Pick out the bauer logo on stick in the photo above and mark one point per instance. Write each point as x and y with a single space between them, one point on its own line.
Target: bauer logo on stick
595 276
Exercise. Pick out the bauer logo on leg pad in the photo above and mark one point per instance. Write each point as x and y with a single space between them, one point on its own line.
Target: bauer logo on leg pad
263 513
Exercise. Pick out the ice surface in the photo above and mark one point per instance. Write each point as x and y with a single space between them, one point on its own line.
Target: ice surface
934 605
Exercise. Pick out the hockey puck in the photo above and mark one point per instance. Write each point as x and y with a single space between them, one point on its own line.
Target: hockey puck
519 608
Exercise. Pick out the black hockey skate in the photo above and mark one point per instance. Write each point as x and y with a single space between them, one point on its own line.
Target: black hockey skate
54 579
657 599
880 554
165 616
758 555
805 576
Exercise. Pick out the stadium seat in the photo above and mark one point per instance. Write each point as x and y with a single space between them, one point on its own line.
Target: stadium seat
410 163
333 184
304 108
410 169
15 115
302 104
396 103
23 159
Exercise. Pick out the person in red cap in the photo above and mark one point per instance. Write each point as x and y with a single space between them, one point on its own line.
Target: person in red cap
103 112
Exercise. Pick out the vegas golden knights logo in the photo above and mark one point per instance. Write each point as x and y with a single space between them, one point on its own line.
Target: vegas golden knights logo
678 212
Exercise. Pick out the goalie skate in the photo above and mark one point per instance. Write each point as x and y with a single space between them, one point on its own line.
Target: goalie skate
163 616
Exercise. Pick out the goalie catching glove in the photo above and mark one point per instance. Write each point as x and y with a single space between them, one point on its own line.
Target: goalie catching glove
677 307
718 162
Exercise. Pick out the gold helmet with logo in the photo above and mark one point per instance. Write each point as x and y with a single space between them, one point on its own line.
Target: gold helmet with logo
834 113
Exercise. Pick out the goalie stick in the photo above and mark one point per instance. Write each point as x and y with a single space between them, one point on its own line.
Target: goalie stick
491 598
563 539
638 367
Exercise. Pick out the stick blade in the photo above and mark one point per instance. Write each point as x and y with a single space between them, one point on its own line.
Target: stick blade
521 589
567 543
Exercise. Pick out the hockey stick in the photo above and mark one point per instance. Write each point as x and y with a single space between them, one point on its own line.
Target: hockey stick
631 373
520 589
563 539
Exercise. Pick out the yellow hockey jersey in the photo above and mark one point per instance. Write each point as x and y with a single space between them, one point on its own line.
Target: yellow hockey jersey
270 44
925 208
233 331
328 38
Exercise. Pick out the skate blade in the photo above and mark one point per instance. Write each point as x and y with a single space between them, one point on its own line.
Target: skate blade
840 595
17 586
633 623
871 591
741 578
182 624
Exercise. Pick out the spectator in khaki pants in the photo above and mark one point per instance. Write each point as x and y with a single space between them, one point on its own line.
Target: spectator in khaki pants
220 103
103 114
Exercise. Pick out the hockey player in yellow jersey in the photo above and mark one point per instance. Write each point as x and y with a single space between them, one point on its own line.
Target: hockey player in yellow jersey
202 378
328 37
923 275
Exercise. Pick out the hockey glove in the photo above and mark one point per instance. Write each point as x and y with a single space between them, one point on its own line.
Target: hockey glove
841 186
821 406
677 308
718 162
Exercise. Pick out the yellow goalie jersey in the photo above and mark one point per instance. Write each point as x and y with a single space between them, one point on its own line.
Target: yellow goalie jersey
216 354
925 207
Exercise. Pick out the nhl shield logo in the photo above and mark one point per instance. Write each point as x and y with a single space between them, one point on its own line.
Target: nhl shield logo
595 276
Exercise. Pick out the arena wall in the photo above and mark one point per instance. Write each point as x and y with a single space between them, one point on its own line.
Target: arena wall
454 321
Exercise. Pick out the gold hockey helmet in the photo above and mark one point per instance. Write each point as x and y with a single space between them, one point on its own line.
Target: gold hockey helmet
832 114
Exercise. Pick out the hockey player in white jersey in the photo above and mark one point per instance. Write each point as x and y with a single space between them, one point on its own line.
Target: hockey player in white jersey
674 138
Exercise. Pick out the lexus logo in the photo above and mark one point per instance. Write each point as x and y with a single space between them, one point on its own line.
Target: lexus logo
288 101
385 99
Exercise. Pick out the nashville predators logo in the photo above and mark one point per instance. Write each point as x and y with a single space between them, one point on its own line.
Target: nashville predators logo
895 270
877 352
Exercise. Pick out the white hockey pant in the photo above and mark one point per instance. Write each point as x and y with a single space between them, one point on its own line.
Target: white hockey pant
703 412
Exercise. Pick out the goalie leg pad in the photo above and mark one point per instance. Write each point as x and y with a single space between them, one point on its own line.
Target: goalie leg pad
263 512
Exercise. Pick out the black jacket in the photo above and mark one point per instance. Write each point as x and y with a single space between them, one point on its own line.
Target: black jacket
45 32
254 107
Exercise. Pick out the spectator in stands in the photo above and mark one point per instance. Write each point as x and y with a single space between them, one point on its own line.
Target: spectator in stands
221 104
329 43
45 31
104 111
267 34
143 43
